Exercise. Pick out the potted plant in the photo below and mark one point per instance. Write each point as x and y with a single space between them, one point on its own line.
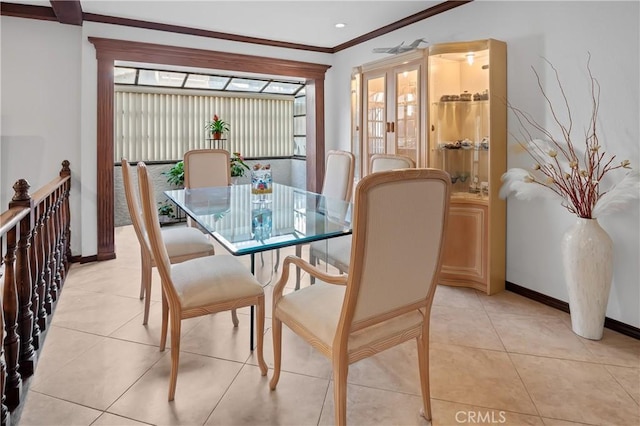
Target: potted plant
238 166
175 175
217 127
165 211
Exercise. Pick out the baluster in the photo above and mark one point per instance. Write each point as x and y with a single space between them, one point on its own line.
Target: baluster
42 284
22 198
57 240
5 418
35 277
46 246
10 308
51 238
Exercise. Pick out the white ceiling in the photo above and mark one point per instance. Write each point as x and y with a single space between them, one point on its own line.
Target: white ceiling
305 22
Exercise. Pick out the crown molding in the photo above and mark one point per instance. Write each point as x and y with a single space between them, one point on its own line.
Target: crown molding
70 12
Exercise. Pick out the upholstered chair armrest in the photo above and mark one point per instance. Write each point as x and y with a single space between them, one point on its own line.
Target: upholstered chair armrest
307 267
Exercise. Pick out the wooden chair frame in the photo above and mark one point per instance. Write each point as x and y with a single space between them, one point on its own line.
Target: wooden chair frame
347 195
146 255
339 352
171 305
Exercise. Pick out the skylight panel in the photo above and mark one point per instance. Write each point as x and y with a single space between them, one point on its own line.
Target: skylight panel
212 82
124 75
282 88
161 78
246 85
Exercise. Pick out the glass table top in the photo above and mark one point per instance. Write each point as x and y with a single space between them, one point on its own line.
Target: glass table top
246 223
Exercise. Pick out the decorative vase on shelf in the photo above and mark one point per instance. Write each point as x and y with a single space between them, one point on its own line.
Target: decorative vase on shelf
587 255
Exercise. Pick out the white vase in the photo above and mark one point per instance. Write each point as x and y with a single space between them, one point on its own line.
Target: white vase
587 255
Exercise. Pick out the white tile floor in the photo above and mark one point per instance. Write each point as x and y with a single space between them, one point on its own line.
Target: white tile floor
494 359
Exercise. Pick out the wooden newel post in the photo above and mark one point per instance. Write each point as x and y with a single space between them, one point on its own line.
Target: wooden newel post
13 384
66 235
24 284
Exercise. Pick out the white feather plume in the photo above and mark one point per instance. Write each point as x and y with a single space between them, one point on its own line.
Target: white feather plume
619 195
513 182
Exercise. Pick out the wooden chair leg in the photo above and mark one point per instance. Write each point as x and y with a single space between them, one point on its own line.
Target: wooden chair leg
314 261
276 329
146 278
275 266
234 318
175 352
423 364
165 323
340 371
298 254
143 268
260 311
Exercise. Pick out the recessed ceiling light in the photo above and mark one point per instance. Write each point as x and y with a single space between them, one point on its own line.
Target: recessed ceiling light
340 25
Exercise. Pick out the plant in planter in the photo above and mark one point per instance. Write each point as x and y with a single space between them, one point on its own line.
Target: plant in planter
165 210
175 175
238 166
217 127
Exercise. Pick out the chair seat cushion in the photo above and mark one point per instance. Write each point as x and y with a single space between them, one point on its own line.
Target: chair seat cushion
316 309
186 243
335 251
213 279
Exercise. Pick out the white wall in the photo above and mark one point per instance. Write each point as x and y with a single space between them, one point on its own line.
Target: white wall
40 124
564 33
44 108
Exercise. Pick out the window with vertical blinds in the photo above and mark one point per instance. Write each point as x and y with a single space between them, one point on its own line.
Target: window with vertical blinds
163 126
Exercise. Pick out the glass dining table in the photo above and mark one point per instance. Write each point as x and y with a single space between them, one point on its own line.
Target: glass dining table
245 223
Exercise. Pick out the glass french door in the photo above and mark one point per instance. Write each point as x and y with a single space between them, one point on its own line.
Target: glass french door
406 127
375 117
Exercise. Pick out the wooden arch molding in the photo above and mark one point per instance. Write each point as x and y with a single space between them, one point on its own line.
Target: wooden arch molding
110 50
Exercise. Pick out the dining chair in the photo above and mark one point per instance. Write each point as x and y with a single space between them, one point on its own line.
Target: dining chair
207 167
336 251
197 287
386 298
384 162
337 184
182 243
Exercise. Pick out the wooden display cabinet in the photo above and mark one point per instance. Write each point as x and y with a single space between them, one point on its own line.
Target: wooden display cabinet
467 123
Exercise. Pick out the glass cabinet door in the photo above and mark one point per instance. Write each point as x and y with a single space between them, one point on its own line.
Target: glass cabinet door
459 117
406 126
375 124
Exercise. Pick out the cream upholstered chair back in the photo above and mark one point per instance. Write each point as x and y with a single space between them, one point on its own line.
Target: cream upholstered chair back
399 222
338 175
206 167
383 162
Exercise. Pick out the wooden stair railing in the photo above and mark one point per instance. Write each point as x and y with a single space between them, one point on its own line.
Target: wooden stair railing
35 252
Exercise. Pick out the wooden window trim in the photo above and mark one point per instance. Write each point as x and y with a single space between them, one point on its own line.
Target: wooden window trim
110 50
